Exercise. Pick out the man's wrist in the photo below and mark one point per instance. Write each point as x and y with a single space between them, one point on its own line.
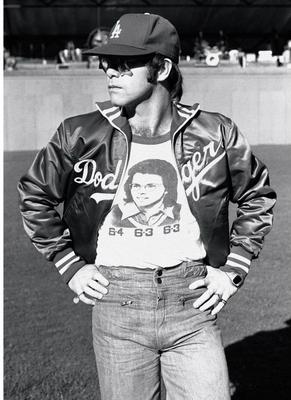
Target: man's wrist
68 263
236 279
238 262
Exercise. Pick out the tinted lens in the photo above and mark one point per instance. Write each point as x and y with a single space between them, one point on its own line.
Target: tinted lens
135 62
115 63
122 64
103 64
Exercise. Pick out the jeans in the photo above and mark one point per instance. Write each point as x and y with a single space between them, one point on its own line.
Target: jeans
146 328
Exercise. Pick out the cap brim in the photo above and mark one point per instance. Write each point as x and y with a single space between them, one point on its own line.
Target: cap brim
111 49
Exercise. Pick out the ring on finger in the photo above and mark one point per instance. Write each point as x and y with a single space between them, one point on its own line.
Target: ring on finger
223 301
77 298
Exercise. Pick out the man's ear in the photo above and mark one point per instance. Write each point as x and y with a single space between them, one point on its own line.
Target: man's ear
165 70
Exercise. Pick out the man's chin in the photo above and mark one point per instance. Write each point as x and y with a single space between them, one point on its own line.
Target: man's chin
117 101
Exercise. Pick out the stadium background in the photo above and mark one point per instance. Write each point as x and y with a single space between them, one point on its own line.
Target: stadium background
35 31
39 28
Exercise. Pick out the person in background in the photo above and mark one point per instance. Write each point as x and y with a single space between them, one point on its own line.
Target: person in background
156 290
277 47
201 47
70 54
9 61
222 44
97 37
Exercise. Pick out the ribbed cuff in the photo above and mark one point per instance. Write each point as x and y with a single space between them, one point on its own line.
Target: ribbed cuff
68 263
238 261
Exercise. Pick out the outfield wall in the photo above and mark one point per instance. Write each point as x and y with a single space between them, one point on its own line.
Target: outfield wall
258 99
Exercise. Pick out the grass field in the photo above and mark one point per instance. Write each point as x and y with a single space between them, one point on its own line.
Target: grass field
48 351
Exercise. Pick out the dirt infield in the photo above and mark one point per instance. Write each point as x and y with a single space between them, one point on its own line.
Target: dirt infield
48 351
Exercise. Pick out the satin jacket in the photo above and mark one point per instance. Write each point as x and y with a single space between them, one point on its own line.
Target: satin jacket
84 162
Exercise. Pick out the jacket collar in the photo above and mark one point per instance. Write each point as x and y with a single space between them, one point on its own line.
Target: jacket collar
182 114
115 117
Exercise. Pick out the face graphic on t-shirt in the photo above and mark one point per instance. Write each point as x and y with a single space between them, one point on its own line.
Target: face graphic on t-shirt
147 190
150 223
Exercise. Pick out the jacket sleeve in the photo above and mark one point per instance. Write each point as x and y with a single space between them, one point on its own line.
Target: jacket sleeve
41 190
255 200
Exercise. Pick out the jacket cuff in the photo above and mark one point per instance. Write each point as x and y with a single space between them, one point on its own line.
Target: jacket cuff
68 263
238 261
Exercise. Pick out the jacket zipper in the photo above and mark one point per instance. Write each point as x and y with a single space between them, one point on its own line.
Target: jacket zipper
126 158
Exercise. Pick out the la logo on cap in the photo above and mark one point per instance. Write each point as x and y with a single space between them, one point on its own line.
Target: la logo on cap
116 31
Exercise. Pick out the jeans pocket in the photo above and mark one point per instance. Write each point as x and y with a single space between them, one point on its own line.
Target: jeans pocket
115 299
196 271
189 298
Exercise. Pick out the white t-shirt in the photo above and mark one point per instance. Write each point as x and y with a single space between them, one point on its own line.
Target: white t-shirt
150 224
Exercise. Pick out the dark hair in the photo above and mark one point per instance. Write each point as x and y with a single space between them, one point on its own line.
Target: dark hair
156 167
174 81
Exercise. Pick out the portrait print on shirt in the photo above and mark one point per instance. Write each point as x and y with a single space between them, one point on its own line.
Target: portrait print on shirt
150 196
150 224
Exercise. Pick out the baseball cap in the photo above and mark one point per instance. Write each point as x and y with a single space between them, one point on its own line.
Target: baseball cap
141 34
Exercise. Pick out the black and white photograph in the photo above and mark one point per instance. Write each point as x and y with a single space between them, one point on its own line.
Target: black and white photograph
146 200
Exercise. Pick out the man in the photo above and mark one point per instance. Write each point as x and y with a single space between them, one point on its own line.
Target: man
156 290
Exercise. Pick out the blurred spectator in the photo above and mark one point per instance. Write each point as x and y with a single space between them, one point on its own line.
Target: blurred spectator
242 58
98 37
201 47
70 54
233 56
222 45
9 61
277 46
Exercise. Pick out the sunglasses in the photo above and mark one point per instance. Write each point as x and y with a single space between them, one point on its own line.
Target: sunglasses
123 65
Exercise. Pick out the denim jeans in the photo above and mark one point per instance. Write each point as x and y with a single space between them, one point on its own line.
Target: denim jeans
146 328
